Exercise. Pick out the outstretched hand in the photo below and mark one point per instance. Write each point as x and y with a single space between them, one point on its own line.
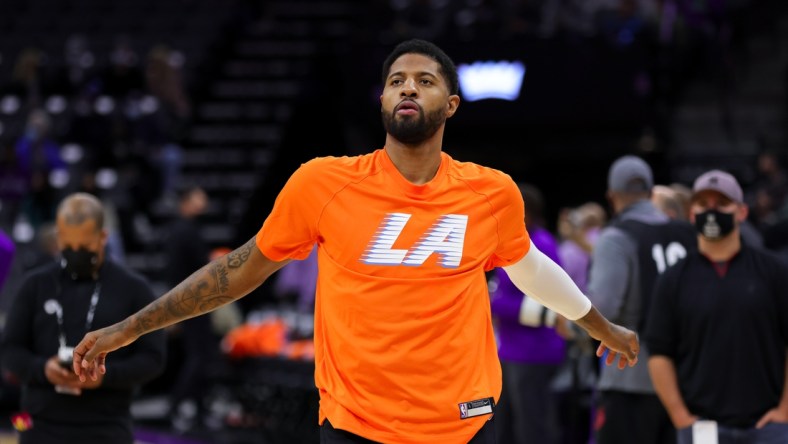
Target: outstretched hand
619 343
91 353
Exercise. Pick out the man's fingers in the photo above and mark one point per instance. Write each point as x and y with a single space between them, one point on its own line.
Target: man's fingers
91 351
101 363
600 350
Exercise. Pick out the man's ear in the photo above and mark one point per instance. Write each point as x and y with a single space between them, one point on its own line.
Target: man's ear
452 104
104 237
742 212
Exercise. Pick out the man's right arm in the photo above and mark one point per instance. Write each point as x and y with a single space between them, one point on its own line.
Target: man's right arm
221 281
663 376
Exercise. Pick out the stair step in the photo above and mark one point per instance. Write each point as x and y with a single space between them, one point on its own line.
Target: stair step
273 68
314 10
146 262
236 133
256 89
220 181
215 158
275 49
218 233
257 112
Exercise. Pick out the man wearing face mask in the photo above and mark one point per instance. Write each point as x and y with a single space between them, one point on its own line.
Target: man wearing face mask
55 306
718 329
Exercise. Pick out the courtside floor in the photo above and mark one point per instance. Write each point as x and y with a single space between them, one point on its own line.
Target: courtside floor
141 437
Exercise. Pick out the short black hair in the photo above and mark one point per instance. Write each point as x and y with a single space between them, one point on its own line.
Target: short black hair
425 48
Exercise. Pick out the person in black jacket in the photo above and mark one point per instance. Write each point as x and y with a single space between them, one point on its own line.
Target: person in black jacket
196 341
55 306
718 329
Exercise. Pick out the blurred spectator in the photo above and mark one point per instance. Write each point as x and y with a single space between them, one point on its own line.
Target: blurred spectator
683 194
187 251
638 245
27 81
529 347
37 155
162 130
14 185
579 229
164 80
122 76
6 256
722 301
55 298
667 200
78 68
770 190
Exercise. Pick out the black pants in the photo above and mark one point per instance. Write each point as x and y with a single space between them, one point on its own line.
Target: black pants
330 435
631 418
526 412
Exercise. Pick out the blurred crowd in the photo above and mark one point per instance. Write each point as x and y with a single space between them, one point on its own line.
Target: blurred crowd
109 124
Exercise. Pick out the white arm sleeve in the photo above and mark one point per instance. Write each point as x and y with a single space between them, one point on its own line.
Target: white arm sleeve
542 279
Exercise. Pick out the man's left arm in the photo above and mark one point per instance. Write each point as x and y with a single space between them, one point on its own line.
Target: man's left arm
542 279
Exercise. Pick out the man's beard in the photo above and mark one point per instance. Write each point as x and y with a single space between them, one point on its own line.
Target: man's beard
413 130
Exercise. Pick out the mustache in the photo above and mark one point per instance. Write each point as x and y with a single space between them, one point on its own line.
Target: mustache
408 102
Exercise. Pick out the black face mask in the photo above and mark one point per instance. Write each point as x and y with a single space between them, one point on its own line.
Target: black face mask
79 264
714 224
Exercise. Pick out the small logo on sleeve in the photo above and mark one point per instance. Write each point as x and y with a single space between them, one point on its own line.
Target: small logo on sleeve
478 407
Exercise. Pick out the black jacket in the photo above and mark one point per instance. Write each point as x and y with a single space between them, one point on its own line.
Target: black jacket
31 338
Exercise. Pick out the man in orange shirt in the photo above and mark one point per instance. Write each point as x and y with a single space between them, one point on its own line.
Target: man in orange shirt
404 346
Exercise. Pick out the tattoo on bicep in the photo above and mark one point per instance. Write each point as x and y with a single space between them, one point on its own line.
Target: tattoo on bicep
241 254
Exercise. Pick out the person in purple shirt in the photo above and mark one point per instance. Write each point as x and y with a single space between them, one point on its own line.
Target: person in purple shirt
579 229
7 249
529 347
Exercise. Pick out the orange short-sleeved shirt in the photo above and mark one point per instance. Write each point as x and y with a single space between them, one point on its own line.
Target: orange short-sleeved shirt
403 334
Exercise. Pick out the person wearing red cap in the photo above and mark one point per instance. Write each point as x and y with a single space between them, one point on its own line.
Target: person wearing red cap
718 329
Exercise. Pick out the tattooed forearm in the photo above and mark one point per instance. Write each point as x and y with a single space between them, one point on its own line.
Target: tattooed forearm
217 283
199 293
237 258
222 281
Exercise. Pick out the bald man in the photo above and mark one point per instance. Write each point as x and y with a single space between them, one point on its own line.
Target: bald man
55 306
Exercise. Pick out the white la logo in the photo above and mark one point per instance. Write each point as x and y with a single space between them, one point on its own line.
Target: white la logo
445 237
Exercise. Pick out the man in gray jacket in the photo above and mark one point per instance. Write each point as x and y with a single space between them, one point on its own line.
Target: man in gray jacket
638 245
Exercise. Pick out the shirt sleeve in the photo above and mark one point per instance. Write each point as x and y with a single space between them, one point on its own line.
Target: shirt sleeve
291 230
509 212
610 272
